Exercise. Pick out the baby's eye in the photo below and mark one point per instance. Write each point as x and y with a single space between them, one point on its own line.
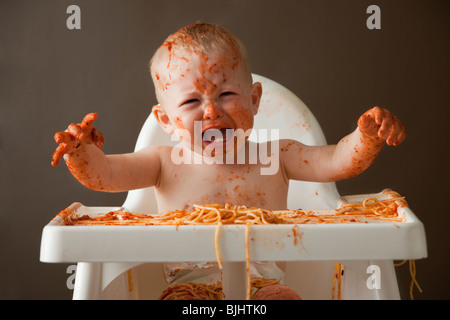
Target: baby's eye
227 94
189 101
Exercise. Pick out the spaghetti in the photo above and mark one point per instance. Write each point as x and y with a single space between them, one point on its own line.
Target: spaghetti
383 207
200 291
193 291
247 260
369 210
337 279
412 272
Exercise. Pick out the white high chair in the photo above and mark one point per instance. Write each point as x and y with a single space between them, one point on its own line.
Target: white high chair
279 109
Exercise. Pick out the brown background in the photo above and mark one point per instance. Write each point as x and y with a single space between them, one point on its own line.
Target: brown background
321 50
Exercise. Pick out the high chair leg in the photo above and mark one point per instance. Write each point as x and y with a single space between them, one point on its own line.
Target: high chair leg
364 280
88 280
234 280
96 280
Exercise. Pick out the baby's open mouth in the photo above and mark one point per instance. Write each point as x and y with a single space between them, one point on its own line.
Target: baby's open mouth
217 135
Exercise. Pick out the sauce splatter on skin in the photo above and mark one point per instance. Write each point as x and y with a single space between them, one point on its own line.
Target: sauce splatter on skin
287 146
181 45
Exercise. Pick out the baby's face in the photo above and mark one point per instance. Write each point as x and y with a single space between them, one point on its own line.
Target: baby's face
214 92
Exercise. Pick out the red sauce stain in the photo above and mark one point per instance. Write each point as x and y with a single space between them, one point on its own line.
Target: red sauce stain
188 41
364 155
287 146
294 233
79 169
179 123
297 235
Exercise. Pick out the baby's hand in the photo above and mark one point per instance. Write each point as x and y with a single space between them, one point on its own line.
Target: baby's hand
380 124
76 135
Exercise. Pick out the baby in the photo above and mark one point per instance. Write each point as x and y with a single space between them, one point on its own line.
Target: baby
206 96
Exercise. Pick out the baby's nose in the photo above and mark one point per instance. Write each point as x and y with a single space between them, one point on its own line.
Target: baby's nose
212 112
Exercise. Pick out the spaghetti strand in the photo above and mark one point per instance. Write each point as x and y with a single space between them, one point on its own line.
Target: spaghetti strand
380 208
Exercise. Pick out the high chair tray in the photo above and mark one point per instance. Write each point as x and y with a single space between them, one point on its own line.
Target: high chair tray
275 242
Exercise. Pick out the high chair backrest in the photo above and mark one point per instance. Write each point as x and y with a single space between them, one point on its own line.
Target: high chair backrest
279 109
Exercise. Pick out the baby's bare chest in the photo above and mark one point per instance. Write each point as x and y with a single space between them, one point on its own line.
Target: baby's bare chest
181 186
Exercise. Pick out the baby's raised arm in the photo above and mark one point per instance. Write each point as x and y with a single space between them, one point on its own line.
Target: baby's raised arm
80 146
351 156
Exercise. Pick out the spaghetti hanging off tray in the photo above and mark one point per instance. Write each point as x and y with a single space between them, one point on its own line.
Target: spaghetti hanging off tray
381 208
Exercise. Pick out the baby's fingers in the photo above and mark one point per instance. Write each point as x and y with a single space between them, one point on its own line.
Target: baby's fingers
76 131
63 137
377 114
83 129
397 135
77 135
58 154
88 122
401 137
387 125
367 125
98 138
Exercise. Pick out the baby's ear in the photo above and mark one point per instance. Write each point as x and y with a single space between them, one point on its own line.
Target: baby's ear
256 96
163 118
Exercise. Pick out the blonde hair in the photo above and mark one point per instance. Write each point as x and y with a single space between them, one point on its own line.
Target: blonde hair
204 39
